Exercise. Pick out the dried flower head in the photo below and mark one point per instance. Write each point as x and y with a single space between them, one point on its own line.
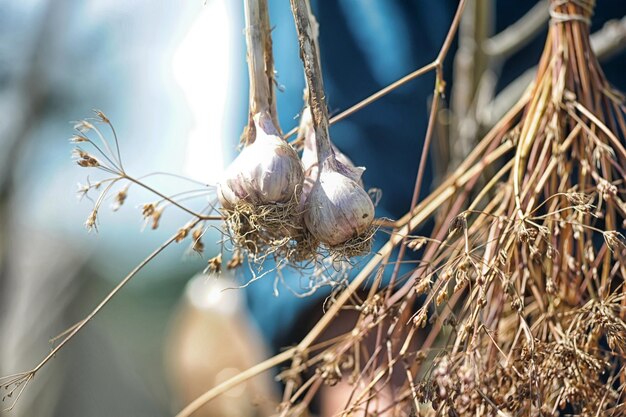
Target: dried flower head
83 126
416 243
84 159
148 209
101 116
156 217
236 260
214 265
197 245
78 139
120 198
91 222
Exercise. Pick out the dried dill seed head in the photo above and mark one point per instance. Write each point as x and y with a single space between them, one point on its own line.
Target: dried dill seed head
457 224
235 261
614 240
420 319
423 285
83 126
91 222
330 369
78 139
148 209
100 115
442 297
214 265
197 244
417 243
85 159
120 198
183 232
156 217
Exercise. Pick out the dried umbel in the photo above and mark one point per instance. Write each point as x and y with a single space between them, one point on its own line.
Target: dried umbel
265 172
338 209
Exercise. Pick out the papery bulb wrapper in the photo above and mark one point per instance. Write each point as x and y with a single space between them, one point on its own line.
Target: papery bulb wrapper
309 158
337 208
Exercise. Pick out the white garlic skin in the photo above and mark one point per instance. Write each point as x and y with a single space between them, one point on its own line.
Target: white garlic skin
337 208
266 171
309 158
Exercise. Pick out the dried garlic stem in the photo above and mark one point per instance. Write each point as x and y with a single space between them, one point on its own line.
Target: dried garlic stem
266 33
313 74
259 83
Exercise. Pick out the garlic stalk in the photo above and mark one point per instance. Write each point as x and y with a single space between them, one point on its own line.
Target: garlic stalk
255 38
260 65
266 171
266 31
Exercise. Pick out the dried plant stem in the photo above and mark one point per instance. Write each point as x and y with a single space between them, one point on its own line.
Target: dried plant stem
313 75
266 33
199 216
260 94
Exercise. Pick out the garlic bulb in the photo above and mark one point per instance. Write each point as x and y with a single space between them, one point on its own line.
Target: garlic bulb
309 158
266 171
338 208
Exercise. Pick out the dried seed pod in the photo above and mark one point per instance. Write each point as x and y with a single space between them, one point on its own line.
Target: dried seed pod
267 171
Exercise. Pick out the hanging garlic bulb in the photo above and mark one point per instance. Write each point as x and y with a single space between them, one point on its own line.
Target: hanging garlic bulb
306 132
265 172
338 208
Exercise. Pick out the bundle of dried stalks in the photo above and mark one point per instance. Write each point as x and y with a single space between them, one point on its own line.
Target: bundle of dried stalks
520 287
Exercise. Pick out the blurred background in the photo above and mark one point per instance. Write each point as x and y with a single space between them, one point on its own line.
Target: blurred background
172 78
